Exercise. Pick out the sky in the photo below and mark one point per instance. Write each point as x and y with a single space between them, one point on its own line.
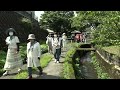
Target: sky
38 14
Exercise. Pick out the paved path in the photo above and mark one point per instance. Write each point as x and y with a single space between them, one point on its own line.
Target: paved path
53 70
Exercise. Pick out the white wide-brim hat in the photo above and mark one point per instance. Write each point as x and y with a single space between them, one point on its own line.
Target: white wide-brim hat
63 33
10 30
31 36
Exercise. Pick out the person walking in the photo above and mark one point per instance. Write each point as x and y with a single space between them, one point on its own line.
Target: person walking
61 42
13 59
81 37
64 41
33 55
77 38
56 48
49 43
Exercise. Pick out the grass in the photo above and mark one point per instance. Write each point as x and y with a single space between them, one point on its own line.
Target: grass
45 59
22 75
2 61
68 70
71 69
101 74
113 50
75 45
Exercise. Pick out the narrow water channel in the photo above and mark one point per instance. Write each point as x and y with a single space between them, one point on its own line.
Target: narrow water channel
87 70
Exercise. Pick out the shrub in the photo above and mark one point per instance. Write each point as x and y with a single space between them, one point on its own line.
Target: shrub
100 72
44 48
2 61
68 71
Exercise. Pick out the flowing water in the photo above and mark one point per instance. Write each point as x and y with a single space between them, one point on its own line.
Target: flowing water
86 67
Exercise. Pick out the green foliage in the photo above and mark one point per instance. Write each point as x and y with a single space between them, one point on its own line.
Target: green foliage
26 24
77 70
100 72
72 63
23 50
2 61
42 42
45 59
44 48
68 71
2 55
58 21
25 20
75 45
71 52
113 49
22 75
108 27
77 60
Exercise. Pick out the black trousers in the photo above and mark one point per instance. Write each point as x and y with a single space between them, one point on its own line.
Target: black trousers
30 70
57 54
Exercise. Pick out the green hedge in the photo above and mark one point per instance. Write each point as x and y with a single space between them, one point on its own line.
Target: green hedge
71 65
68 70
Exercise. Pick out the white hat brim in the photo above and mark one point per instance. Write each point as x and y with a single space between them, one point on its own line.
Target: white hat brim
30 38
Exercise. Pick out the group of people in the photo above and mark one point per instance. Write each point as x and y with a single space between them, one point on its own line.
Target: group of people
55 44
81 37
13 58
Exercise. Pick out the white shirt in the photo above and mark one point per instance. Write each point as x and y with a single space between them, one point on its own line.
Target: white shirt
64 38
49 40
34 51
56 43
12 43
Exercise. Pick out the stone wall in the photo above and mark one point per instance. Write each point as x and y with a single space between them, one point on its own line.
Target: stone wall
109 62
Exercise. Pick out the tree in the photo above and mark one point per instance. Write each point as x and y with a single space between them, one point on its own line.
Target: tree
58 21
108 27
26 24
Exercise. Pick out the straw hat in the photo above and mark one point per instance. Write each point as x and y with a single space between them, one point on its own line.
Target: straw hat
31 36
